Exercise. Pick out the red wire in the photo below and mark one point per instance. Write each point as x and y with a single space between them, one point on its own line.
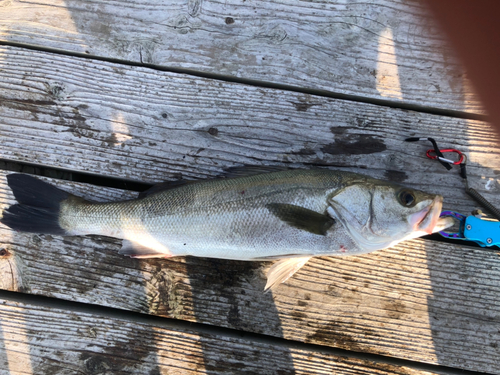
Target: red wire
461 159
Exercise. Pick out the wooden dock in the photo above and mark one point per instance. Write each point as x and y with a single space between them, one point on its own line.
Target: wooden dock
105 98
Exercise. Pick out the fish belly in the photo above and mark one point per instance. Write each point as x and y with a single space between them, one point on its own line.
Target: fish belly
245 235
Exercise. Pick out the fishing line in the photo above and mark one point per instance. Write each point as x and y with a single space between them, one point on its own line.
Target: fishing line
437 154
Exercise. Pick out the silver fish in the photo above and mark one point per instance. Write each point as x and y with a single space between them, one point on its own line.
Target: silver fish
290 215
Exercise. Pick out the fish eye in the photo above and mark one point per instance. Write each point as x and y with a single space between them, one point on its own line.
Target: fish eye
407 198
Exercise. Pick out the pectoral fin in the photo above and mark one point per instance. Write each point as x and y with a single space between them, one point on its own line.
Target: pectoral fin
302 218
284 269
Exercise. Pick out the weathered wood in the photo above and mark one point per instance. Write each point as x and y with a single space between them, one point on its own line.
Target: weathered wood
384 49
37 339
423 301
154 126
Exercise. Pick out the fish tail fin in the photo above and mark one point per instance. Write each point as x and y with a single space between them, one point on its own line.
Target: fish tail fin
38 206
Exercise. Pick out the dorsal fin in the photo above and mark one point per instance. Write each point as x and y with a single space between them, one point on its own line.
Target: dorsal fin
250 170
232 172
167 185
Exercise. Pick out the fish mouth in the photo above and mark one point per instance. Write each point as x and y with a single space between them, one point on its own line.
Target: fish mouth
426 219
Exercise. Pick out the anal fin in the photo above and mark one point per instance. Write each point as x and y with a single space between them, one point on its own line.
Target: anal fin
282 270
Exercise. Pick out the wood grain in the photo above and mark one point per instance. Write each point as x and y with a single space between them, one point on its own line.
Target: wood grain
423 301
382 49
139 124
38 339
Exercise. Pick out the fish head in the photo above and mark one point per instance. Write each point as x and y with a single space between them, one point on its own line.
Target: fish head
378 215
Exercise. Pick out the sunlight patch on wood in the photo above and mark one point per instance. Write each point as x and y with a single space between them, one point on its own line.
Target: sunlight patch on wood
469 96
172 346
51 16
388 84
120 129
14 344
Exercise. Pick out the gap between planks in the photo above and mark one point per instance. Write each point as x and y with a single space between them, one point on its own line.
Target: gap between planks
263 84
200 328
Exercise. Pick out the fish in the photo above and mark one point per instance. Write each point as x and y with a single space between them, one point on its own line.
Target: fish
253 214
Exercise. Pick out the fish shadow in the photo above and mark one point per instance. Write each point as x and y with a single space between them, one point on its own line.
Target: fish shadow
234 291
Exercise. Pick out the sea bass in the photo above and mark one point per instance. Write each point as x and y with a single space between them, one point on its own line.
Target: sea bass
290 215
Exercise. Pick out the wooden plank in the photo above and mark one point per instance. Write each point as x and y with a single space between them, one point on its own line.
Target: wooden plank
383 49
154 126
423 301
37 339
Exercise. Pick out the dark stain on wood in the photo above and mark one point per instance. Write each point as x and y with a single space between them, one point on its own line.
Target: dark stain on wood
75 121
395 309
98 364
170 296
303 107
338 130
361 122
233 317
305 152
213 131
395 176
56 91
243 361
111 140
124 356
19 103
355 144
298 315
335 334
